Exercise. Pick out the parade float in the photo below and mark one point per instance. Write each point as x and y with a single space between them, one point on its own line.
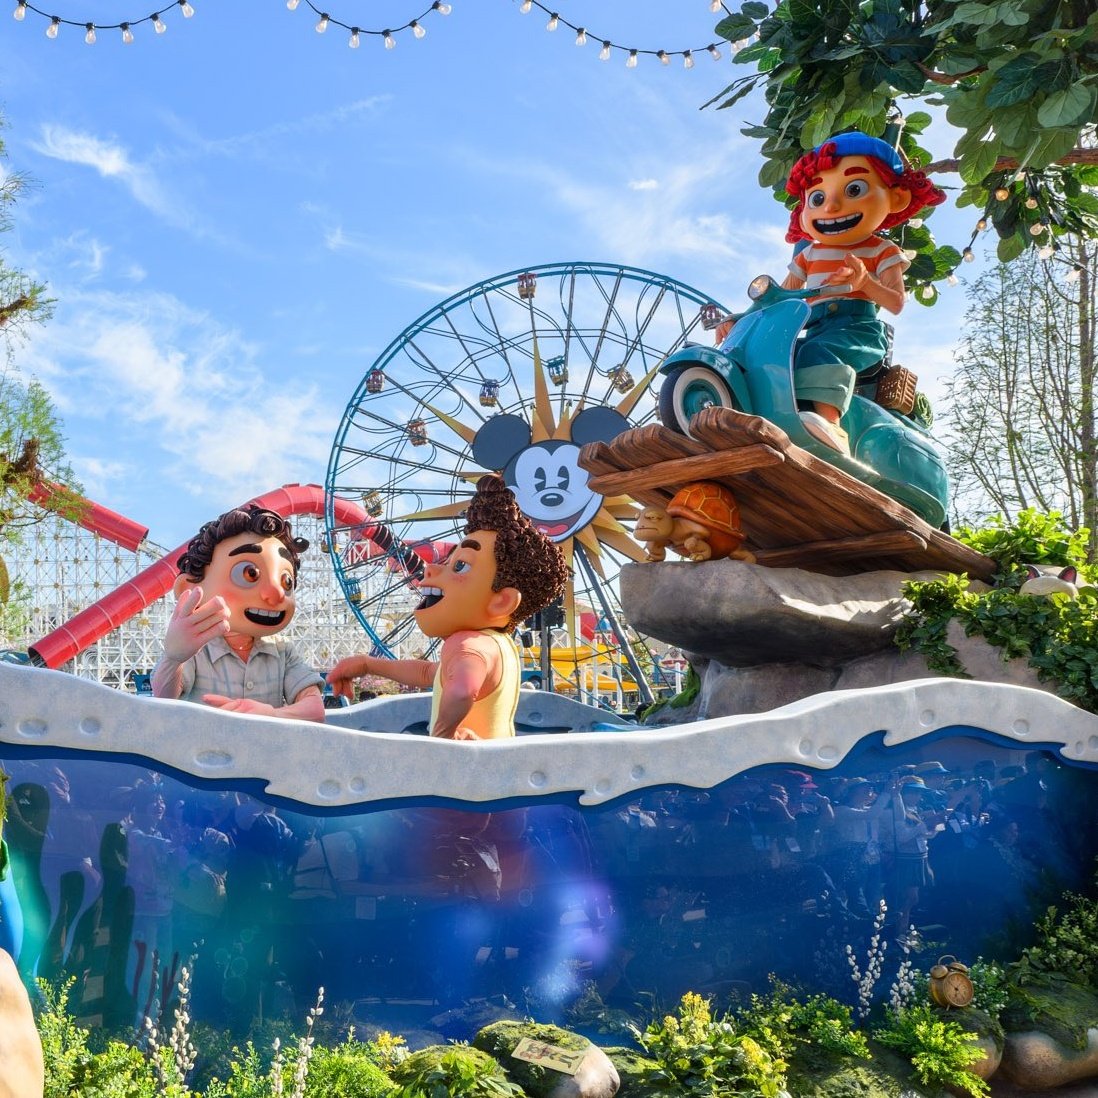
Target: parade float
823 820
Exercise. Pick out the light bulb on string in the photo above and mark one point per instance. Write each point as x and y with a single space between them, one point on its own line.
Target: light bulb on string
916 222
53 28
20 12
292 4
441 7
981 225
158 24
926 293
89 33
417 29
554 22
1037 228
952 279
186 9
1031 203
127 34
687 59
525 6
581 36
389 40
631 62
1002 194
1046 251
713 51
353 42
604 53
968 255
664 57
1074 274
322 23
715 6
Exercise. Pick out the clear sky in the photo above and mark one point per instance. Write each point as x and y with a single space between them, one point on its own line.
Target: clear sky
237 215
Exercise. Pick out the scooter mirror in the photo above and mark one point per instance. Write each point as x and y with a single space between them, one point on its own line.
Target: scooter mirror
758 286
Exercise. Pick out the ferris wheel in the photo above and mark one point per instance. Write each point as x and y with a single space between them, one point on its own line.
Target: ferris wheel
513 374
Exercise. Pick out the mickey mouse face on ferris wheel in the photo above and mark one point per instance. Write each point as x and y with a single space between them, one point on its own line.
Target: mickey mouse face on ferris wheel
550 486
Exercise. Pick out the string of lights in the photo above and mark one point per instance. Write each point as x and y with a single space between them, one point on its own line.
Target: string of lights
325 19
632 53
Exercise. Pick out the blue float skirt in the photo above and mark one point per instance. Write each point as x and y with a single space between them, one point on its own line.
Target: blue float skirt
842 338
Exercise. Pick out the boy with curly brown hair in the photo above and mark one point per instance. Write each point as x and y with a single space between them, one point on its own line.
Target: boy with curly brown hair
503 571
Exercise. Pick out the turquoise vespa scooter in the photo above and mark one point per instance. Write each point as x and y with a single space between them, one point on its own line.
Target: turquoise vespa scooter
752 372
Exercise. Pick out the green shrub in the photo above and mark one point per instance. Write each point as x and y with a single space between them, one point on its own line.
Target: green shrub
940 1051
696 1054
454 1071
347 1071
784 1025
1066 945
1032 537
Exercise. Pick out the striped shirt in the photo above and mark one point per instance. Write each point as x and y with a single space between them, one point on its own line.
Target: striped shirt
816 263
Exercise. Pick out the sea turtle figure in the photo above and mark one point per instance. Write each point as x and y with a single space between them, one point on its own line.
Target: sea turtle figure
701 522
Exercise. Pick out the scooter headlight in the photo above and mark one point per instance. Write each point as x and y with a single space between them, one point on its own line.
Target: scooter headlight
759 286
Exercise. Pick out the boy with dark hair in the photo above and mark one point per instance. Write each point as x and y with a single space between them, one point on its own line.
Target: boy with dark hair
502 572
222 649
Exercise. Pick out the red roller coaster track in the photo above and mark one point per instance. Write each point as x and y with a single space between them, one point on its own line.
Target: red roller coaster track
156 581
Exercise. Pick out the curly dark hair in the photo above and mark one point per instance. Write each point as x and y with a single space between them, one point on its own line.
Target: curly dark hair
240 520
525 558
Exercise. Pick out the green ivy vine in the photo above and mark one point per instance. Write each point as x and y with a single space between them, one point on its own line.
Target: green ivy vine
1056 635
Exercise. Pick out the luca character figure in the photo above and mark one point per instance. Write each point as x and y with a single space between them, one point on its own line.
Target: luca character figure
848 189
503 571
235 591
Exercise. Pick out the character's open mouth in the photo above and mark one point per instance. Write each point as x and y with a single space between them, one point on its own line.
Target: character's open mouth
265 617
431 595
828 225
554 530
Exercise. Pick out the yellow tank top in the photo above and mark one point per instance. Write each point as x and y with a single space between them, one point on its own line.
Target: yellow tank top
493 716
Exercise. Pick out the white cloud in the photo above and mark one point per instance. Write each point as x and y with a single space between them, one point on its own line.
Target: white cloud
643 184
193 393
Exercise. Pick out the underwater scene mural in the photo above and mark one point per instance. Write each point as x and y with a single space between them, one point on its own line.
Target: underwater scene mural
428 913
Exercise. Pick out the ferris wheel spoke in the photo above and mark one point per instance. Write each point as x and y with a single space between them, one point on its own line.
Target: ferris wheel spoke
404 450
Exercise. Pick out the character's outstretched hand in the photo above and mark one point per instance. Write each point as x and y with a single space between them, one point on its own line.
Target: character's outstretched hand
342 677
194 623
239 705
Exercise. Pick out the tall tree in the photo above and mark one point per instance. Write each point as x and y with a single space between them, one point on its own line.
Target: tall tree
30 432
1018 80
1020 419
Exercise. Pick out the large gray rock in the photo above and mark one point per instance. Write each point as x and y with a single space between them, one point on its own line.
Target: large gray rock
743 615
21 1073
760 638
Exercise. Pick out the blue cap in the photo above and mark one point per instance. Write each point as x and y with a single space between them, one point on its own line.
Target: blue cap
861 144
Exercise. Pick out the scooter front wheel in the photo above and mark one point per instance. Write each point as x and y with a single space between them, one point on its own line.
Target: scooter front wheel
688 390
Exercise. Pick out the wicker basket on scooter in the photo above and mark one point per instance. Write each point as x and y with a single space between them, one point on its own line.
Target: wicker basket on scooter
896 389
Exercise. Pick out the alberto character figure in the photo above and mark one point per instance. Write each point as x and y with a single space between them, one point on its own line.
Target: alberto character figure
235 591
503 571
848 189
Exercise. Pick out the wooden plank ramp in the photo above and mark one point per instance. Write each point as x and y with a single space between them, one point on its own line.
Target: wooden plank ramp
797 510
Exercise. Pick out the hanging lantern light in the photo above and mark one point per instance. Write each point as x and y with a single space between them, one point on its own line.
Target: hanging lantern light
417 432
557 370
489 394
375 381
